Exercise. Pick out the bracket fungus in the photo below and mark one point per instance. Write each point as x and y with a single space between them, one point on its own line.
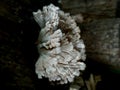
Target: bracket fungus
61 49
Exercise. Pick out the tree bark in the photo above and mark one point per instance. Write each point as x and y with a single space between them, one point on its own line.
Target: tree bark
102 40
97 7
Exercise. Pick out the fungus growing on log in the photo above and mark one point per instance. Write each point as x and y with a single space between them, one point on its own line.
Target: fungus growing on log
61 49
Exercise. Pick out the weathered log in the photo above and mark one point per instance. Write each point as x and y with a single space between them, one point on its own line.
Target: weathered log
97 7
102 38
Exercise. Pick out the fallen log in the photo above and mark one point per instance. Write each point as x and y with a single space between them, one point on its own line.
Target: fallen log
95 7
102 40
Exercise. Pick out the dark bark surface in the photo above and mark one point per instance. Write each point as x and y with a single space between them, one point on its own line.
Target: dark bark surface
93 7
102 41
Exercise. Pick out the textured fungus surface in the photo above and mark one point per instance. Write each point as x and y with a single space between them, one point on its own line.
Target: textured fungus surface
61 49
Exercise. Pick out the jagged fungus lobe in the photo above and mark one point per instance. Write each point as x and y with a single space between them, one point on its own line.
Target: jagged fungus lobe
60 47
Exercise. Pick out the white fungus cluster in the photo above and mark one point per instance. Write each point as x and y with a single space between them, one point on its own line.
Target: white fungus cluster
60 47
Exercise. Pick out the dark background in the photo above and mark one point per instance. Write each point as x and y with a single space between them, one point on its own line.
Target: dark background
18 52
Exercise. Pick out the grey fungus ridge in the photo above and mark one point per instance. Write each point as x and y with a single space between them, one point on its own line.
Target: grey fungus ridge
61 49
